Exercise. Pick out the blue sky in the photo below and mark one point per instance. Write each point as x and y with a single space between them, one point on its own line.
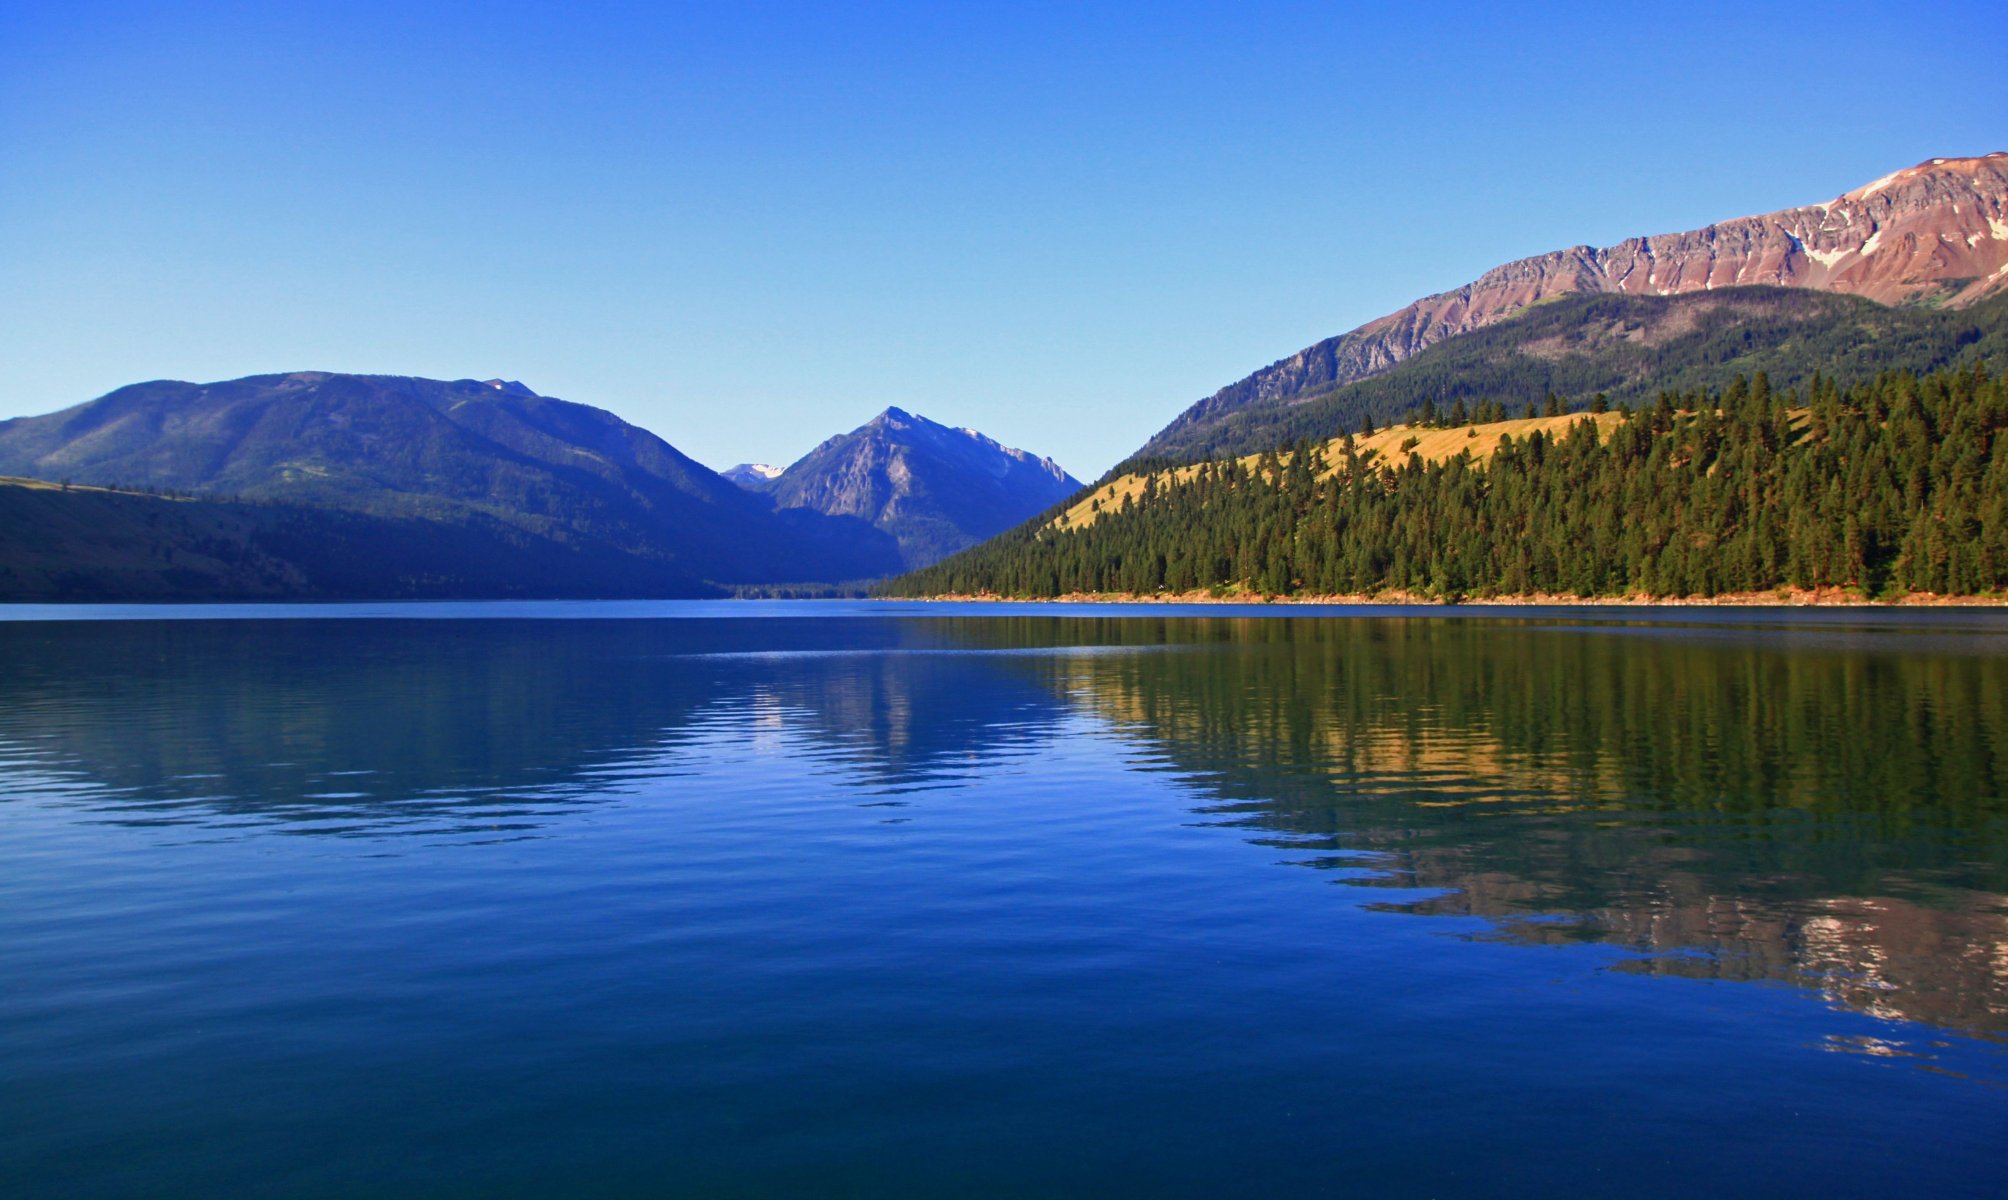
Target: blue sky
749 226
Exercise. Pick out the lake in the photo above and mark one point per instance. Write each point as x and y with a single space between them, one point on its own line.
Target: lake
880 900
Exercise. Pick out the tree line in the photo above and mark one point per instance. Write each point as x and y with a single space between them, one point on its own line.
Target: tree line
1892 486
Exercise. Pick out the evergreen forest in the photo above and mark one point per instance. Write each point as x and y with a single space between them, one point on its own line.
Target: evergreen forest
1894 486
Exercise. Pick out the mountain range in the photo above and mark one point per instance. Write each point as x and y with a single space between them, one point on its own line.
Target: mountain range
579 501
448 452
319 483
1932 236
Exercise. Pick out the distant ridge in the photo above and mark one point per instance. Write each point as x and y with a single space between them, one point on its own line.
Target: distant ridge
752 476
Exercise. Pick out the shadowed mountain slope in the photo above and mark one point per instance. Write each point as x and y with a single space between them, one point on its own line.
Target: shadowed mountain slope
94 544
445 452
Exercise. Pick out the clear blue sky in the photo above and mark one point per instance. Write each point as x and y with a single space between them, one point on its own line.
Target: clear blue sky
749 226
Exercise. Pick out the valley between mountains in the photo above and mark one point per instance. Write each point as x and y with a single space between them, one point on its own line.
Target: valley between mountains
1811 399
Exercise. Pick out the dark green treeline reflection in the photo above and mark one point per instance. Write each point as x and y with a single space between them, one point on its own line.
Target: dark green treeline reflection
1819 803
1825 806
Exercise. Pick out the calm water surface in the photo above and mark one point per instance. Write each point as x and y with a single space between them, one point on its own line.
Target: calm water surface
889 900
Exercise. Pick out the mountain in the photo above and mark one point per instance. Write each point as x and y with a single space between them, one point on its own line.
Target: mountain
752 476
934 489
460 454
1630 348
1935 234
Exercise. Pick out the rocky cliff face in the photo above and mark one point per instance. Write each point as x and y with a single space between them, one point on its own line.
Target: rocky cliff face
1936 233
936 489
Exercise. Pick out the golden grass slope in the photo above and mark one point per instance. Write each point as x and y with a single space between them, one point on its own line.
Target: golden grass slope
44 485
1432 445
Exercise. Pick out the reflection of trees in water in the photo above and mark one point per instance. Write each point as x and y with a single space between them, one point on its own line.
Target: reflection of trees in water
1826 808
330 726
1739 804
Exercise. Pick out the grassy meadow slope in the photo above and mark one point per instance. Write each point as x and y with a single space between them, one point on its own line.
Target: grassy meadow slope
1393 443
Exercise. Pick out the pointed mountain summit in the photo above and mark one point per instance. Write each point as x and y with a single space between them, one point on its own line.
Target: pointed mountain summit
1934 234
933 488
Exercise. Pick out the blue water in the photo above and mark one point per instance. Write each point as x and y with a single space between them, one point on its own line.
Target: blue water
862 899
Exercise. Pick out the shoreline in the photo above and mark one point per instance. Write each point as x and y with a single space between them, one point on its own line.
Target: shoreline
1773 598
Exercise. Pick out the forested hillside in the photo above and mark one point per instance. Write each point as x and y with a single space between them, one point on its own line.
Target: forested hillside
1892 486
63 543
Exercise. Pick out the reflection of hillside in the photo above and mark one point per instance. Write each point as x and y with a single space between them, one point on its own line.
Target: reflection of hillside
1827 809
333 726
1752 805
1891 957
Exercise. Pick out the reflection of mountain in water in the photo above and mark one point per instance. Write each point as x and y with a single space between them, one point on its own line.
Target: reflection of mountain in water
892 711
340 726
1827 808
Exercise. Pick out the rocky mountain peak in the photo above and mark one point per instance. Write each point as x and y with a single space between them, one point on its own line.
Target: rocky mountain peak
935 488
1971 167
1934 233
